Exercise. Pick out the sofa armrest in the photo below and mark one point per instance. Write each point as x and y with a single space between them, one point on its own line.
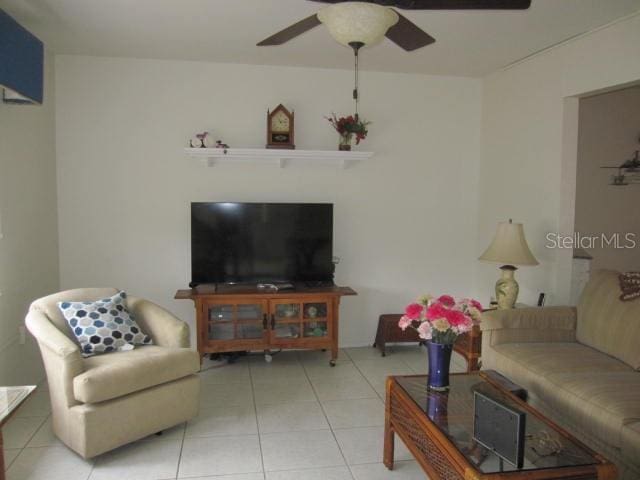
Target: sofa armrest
165 329
519 325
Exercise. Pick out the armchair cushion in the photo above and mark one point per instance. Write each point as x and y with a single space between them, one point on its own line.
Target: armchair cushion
120 373
103 326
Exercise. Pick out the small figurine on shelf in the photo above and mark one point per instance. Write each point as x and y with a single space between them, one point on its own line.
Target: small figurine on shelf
202 140
219 144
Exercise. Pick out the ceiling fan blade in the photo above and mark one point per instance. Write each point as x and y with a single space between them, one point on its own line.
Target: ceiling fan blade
408 35
291 31
448 4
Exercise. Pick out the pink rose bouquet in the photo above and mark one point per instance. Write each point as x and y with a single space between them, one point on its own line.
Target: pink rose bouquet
441 319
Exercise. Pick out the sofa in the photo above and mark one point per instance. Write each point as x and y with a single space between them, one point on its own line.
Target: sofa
101 402
579 365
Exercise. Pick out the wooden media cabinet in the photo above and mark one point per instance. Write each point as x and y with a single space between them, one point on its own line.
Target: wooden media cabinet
241 318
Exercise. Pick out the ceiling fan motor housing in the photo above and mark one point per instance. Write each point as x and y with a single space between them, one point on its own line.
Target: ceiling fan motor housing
360 22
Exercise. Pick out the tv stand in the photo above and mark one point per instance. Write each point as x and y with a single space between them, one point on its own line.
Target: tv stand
245 317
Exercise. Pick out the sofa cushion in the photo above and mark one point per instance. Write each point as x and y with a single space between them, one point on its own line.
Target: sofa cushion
103 326
545 358
631 440
601 403
605 322
581 385
120 373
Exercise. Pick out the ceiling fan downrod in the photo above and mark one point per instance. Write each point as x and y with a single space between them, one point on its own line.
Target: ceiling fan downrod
356 48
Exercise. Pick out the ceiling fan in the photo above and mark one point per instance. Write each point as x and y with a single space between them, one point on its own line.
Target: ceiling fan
367 22
629 169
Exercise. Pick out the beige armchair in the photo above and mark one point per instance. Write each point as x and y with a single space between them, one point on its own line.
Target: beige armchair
105 401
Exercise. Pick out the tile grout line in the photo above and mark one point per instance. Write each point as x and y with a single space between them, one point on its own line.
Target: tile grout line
184 434
255 410
355 364
333 434
31 437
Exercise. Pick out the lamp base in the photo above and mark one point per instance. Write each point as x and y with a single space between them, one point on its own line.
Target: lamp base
507 288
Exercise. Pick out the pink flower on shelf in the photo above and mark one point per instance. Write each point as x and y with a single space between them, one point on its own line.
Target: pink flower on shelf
404 322
414 311
436 311
447 300
424 331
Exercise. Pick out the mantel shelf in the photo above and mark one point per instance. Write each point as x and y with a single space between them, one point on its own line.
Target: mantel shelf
278 157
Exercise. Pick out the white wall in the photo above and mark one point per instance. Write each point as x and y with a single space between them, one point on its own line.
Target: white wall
28 216
609 128
405 222
529 145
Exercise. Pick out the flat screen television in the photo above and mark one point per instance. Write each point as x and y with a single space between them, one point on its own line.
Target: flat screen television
261 242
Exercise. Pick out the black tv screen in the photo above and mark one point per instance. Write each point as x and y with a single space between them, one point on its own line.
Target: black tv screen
261 242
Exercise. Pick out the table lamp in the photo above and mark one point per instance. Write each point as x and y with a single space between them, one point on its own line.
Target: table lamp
510 248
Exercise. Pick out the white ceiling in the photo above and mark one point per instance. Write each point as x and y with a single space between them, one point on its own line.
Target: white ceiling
471 43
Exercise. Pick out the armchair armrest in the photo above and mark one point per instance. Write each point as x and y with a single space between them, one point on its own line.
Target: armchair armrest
49 336
61 357
165 329
519 325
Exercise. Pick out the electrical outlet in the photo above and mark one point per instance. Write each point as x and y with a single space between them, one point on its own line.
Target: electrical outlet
22 332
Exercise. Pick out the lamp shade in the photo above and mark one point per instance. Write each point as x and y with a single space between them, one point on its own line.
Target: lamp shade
509 246
357 22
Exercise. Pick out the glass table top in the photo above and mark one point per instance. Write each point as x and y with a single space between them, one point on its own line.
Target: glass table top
453 413
11 398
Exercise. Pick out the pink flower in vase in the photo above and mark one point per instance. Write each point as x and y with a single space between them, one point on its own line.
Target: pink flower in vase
436 311
404 322
424 331
447 300
414 311
464 327
456 318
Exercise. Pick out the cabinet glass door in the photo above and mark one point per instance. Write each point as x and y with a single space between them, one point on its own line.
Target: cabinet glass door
315 318
286 319
305 320
235 321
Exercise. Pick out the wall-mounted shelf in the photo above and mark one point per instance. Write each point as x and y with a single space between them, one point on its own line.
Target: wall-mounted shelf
281 158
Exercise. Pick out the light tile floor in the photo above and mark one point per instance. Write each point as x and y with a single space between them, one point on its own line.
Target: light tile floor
293 419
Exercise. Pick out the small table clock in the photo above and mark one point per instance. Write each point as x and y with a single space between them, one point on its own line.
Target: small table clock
280 128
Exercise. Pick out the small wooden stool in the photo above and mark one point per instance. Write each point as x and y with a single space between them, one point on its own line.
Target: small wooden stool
390 332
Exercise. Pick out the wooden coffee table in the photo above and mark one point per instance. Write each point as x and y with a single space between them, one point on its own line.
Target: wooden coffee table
438 430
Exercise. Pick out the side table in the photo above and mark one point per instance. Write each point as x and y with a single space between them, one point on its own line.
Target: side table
10 400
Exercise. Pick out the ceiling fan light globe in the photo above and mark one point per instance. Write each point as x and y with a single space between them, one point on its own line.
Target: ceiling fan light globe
350 22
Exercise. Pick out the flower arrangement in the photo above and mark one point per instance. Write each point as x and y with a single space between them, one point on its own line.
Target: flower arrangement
441 319
349 126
